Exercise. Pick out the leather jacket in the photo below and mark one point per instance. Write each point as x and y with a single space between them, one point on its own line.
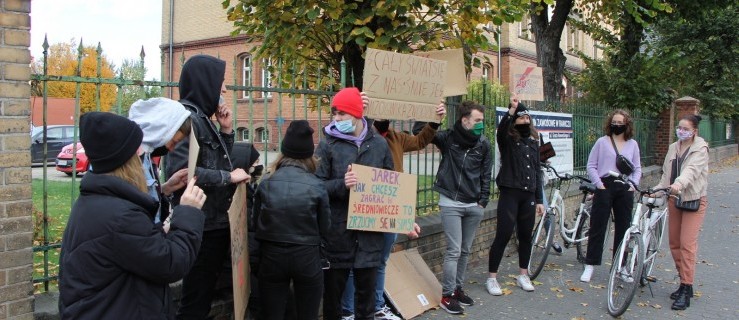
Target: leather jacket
519 161
464 174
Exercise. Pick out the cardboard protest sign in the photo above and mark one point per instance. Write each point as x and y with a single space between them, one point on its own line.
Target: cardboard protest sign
237 216
383 200
456 76
527 82
403 86
192 157
410 284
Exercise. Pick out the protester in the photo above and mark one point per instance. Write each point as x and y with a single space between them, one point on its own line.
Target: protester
165 123
463 183
611 193
349 140
521 192
291 210
685 171
399 142
115 263
201 85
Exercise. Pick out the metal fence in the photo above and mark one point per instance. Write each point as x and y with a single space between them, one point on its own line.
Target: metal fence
717 132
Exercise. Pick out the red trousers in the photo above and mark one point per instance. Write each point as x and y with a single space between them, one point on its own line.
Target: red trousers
684 228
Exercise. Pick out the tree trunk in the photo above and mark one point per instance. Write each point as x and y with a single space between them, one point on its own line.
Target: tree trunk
548 53
354 65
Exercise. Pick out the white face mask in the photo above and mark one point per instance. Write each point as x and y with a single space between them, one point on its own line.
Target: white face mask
683 135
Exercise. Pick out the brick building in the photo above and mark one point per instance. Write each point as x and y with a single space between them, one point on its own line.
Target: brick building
192 27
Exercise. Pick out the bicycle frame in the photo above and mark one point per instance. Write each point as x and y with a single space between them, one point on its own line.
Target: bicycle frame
557 202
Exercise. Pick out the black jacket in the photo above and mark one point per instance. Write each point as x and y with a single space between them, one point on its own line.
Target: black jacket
350 248
519 161
291 206
114 262
200 87
464 174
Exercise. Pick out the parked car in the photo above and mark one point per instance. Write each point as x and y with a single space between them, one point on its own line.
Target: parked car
65 157
56 138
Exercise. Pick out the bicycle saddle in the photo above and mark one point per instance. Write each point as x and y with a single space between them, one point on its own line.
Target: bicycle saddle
587 186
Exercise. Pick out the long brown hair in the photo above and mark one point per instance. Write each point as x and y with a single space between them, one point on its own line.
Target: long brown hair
310 164
627 122
132 172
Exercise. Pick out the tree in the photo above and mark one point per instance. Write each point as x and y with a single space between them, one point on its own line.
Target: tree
323 33
132 69
62 61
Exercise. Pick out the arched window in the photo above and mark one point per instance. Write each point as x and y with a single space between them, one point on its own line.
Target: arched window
243 134
261 135
487 71
267 76
245 75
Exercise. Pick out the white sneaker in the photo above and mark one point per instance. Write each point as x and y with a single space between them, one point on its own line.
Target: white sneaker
587 273
385 314
625 275
493 287
348 317
524 282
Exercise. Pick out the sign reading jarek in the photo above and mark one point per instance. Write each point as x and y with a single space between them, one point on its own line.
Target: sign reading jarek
555 128
383 200
403 86
527 82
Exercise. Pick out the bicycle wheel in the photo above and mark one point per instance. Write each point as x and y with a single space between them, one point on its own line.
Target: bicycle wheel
655 241
540 244
625 272
581 236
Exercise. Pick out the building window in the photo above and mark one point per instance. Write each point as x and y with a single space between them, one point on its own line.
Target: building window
262 135
267 76
246 74
573 39
524 28
243 133
487 71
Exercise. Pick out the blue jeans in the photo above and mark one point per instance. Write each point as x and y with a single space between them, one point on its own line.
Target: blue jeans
347 301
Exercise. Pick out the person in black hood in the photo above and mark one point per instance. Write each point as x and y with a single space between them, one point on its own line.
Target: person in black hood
201 85
521 192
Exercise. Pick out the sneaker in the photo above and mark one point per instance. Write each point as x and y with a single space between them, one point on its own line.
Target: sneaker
451 305
625 275
463 298
385 314
493 287
347 317
557 248
524 282
587 273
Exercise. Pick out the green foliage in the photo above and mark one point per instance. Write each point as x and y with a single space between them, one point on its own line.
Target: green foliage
323 33
132 69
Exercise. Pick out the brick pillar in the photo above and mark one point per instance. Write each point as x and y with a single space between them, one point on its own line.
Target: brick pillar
16 227
664 136
685 106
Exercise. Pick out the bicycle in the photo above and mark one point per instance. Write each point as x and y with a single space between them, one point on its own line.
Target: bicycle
544 230
631 260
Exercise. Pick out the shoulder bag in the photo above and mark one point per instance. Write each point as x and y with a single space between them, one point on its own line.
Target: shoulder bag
622 164
690 206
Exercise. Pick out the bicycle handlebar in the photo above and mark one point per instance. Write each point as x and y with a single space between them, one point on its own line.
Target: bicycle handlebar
566 176
625 179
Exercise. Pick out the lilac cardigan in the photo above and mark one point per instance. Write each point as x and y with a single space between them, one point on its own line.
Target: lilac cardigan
603 158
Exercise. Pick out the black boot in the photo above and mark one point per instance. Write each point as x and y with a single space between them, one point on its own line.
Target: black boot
677 292
683 300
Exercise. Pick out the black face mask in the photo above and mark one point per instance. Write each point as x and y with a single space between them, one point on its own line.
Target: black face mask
523 129
256 171
161 151
618 129
382 126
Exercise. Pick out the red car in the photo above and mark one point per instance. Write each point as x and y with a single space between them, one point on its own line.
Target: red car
64 159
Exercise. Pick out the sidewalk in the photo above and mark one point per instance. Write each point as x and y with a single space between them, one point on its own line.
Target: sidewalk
560 295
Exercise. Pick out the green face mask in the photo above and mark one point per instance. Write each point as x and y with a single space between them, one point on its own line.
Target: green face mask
477 128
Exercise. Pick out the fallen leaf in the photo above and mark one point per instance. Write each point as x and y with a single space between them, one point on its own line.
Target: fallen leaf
642 304
538 283
559 295
555 289
583 304
656 306
598 286
697 294
577 289
509 283
506 291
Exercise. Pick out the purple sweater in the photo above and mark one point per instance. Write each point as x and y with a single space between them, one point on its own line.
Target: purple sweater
603 158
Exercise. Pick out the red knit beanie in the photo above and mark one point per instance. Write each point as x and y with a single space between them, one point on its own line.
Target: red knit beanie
348 100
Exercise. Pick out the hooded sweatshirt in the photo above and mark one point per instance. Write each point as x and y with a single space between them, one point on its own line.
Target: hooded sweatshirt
200 82
159 119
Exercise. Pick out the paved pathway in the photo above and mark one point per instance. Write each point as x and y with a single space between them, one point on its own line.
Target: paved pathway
560 295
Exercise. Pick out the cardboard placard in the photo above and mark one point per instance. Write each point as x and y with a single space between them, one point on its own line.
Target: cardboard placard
456 75
527 82
411 82
192 157
383 200
410 285
237 216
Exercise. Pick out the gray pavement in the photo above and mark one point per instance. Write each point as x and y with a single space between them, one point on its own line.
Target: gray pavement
560 295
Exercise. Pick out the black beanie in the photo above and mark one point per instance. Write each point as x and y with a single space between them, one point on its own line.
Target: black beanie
109 140
521 110
298 141
243 155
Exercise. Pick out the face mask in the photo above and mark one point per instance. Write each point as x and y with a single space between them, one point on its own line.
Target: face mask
477 128
683 135
382 126
256 171
345 126
618 129
523 129
161 151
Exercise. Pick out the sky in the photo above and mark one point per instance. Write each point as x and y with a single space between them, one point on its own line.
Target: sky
121 27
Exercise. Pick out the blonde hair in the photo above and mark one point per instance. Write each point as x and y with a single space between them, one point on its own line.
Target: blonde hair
132 172
310 164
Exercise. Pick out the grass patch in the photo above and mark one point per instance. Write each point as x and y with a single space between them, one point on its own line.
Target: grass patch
59 203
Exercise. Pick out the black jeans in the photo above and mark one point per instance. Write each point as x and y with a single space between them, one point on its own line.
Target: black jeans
615 196
199 284
364 293
516 209
280 264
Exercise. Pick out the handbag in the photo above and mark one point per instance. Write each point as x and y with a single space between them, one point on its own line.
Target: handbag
691 205
622 164
546 150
